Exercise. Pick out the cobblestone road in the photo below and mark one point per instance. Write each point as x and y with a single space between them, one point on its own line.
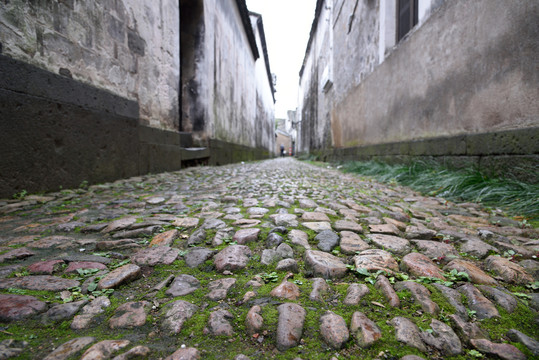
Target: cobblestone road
273 259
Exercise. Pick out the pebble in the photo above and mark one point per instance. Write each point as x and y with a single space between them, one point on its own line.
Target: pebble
201 233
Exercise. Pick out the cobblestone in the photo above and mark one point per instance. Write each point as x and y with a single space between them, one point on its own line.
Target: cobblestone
263 260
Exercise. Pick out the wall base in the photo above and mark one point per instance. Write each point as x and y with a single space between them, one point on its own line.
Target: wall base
511 153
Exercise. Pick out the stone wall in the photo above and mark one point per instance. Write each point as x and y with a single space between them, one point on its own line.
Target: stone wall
464 70
129 48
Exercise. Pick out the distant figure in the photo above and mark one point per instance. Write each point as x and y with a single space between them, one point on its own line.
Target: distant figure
282 150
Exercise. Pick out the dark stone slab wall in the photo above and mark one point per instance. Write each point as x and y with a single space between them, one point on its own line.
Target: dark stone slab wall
57 132
510 153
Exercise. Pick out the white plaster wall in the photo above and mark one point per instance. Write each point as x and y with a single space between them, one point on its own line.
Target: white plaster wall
91 40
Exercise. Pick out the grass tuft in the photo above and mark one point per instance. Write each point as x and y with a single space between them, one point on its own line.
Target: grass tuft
433 179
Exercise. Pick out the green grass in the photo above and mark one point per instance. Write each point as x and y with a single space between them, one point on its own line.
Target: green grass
464 185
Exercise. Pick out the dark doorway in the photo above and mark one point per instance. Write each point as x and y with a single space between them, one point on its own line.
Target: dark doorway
191 45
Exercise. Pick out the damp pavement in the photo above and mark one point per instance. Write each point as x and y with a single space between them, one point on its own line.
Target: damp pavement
273 259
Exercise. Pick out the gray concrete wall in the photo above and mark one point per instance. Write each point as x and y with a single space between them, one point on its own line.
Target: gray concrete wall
470 67
130 48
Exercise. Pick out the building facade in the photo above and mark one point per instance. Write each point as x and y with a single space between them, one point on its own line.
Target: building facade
99 90
399 79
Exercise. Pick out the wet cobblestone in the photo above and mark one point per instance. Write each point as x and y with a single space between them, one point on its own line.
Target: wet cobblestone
274 259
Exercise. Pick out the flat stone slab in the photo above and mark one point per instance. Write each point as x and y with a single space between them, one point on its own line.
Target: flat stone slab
300 238
74 266
288 220
38 282
508 270
17 307
197 256
45 267
286 290
477 248
183 285
219 323
69 348
245 236
327 240
417 264
233 257
477 302
317 226
421 295
324 265
347 225
219 288
187 222
376 259
119 224
155 256
314 216
408 333
130 315
119 276
443 338
391 243
436 250
63 311
165 238
175 314
15 254
354 293
351 243
504 351
189 353
477 276
387 229
104 349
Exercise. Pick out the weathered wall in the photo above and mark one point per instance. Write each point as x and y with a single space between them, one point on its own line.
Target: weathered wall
238 111
130 48
466 70
469 67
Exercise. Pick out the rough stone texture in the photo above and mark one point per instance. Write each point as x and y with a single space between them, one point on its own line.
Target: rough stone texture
364 330
273 240
155 256
46 267
327 240
477 302
38 282
299 237
198 256
347 225
175 314
73 266
454 298
287 265
530 343
186 222
97 306
477 276
314 216
17 307
183 285
509 271
320 287
351 243
63 311
393 244
69 348
164 239
318 226
420 265
286 290
407 332
289 326
375 259
184 354
442 338
502 298
245 236
133 353
129 315
333 330
383 284
232 258
420 294
119 276
436 250
354 293
288 220
254 320
324 265
219 288
477 248
466 330
504 351
218 323
104 349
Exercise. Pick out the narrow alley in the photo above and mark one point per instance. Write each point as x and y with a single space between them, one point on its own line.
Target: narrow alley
271 259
